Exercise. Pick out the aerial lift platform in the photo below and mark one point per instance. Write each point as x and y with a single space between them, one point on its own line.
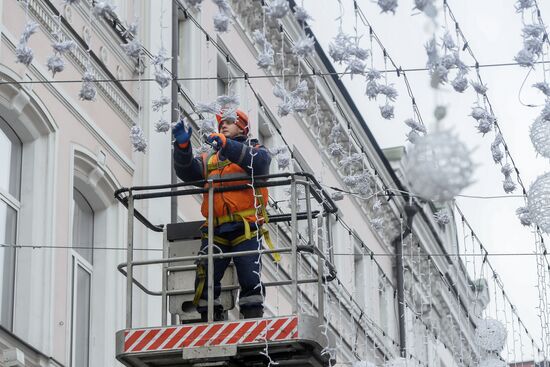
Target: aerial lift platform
296 339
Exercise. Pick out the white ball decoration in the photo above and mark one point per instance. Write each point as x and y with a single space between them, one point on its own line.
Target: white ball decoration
492 361
540 136
538 202
439 166
490 335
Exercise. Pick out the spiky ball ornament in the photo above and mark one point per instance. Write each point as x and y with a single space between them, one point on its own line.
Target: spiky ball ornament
439 166
538 202
490 335
540 136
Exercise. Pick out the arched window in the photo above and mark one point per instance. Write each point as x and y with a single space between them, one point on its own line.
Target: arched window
10 188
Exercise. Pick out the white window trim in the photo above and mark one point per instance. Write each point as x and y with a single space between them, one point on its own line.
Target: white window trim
76 261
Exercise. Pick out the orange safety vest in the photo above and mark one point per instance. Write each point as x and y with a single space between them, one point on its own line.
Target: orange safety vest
232 206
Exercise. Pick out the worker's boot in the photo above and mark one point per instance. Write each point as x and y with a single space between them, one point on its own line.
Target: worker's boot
252 312
218 315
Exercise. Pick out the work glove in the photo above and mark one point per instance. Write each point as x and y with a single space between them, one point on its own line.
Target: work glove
217 140
182 137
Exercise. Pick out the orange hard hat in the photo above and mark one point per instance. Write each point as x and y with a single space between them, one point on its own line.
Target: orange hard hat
242 121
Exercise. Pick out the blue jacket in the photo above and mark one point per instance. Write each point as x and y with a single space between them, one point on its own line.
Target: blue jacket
238 150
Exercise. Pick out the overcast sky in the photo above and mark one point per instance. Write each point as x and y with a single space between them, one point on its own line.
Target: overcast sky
493 30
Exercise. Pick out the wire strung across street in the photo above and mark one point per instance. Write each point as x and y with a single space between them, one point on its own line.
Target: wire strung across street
112 248
240 77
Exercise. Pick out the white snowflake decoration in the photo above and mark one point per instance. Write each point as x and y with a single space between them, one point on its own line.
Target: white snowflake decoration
304 46
543 87
159 103
522 5
525 58
212 108
207 126
133 48
540 136
301 14
533 30
339 49
163 125
479 87
265 56
495 148
293 101
538 200
24 53
104 9
439 166
460 83
388 6
524 216
336 150
387 111
508 184
222 20
88 89
442 217
351 161
161 57
228 100
55 64
415 125
283 157
277 9
162 77
351 180
426 6
377 223
138 139
63 47
389 91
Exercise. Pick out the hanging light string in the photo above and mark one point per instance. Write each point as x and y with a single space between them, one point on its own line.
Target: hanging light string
398 69
249 84
543 289
490 266
487 100
237 77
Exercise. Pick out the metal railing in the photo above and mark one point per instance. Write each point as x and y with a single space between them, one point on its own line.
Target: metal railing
128 196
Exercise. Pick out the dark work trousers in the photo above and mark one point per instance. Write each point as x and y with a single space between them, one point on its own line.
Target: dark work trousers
248 268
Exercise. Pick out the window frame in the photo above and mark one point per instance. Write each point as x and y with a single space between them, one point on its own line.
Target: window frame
14 203
78 260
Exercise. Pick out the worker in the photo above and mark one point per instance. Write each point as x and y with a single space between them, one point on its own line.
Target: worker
238 214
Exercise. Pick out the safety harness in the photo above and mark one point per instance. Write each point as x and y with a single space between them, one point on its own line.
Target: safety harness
230 218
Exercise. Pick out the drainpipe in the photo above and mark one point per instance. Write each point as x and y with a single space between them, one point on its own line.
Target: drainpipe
410 211
175 104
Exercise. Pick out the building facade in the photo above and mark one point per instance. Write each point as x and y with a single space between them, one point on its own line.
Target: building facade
62 297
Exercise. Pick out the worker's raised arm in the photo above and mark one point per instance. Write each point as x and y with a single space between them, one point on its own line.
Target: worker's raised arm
252 158
187 167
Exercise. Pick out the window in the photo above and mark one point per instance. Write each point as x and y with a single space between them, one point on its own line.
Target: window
10 185
83 226
83 240
190 55
360 279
